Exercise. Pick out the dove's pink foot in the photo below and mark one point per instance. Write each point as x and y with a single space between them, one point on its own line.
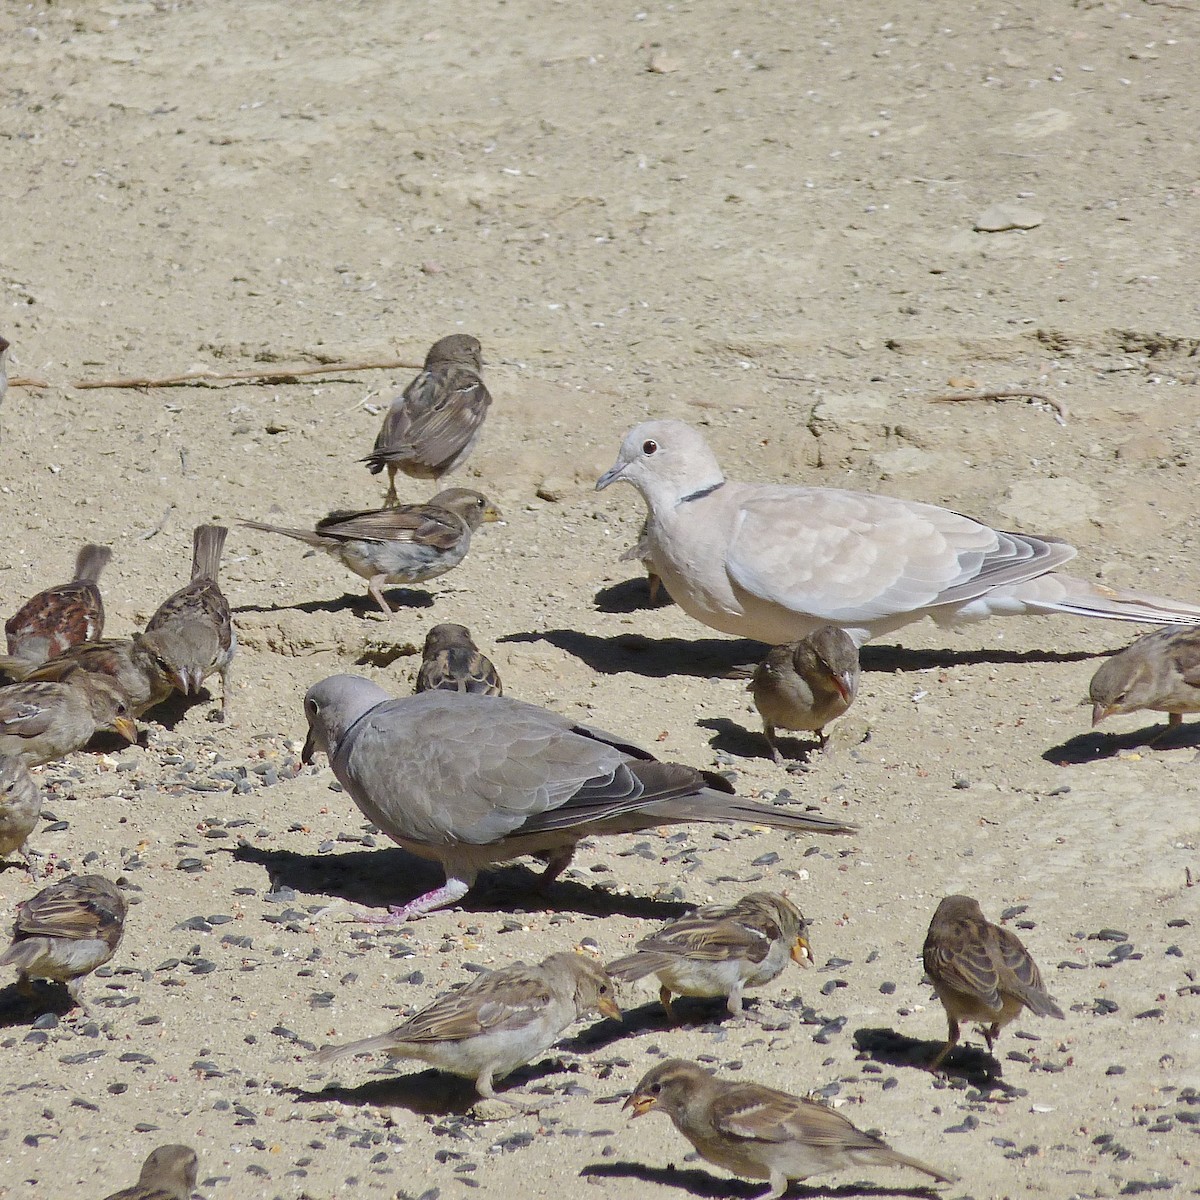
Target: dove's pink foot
399 914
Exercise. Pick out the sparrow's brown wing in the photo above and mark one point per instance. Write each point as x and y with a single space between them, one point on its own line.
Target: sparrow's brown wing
506 999
439 413
960 954
1019 974
423 524
79 907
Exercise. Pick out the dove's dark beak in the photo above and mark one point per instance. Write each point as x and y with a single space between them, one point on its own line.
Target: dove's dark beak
610 476
310 748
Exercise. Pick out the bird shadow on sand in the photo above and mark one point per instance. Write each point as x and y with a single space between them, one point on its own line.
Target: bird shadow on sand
356 603
706 658
19 1007
435 1093
891 659
741 742
378 878
656 658
630 595
972 1065
702 1183
171 711
1093 746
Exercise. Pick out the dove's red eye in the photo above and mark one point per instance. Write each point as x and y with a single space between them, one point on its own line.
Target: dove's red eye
649 447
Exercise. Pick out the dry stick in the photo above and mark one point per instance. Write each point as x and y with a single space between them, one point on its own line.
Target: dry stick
28 381
208 378
1058 407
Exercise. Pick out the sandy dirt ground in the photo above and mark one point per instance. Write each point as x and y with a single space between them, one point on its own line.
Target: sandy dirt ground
792 224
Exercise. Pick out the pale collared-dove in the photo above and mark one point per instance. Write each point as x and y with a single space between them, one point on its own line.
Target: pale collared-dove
773 562
472 780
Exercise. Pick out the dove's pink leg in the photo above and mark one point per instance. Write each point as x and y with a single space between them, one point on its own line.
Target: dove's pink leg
450 892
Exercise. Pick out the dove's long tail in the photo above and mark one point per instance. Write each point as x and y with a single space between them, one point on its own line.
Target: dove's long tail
733 810
1056 593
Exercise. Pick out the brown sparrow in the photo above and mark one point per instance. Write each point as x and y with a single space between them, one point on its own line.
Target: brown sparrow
721 949
431 428
473 780
63 615
640 552
405 544
194 622
20 807
66 931
41 722
1160 672
140 666
806 684
981 972
169 1173
497 1022
760 1133
451 662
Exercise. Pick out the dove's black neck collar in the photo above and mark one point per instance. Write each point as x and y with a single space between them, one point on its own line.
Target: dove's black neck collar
702 492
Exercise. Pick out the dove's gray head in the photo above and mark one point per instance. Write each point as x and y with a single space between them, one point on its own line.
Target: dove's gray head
332 706
667 461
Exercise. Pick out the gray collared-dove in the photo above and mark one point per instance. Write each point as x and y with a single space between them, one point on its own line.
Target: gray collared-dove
470 780
773 562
